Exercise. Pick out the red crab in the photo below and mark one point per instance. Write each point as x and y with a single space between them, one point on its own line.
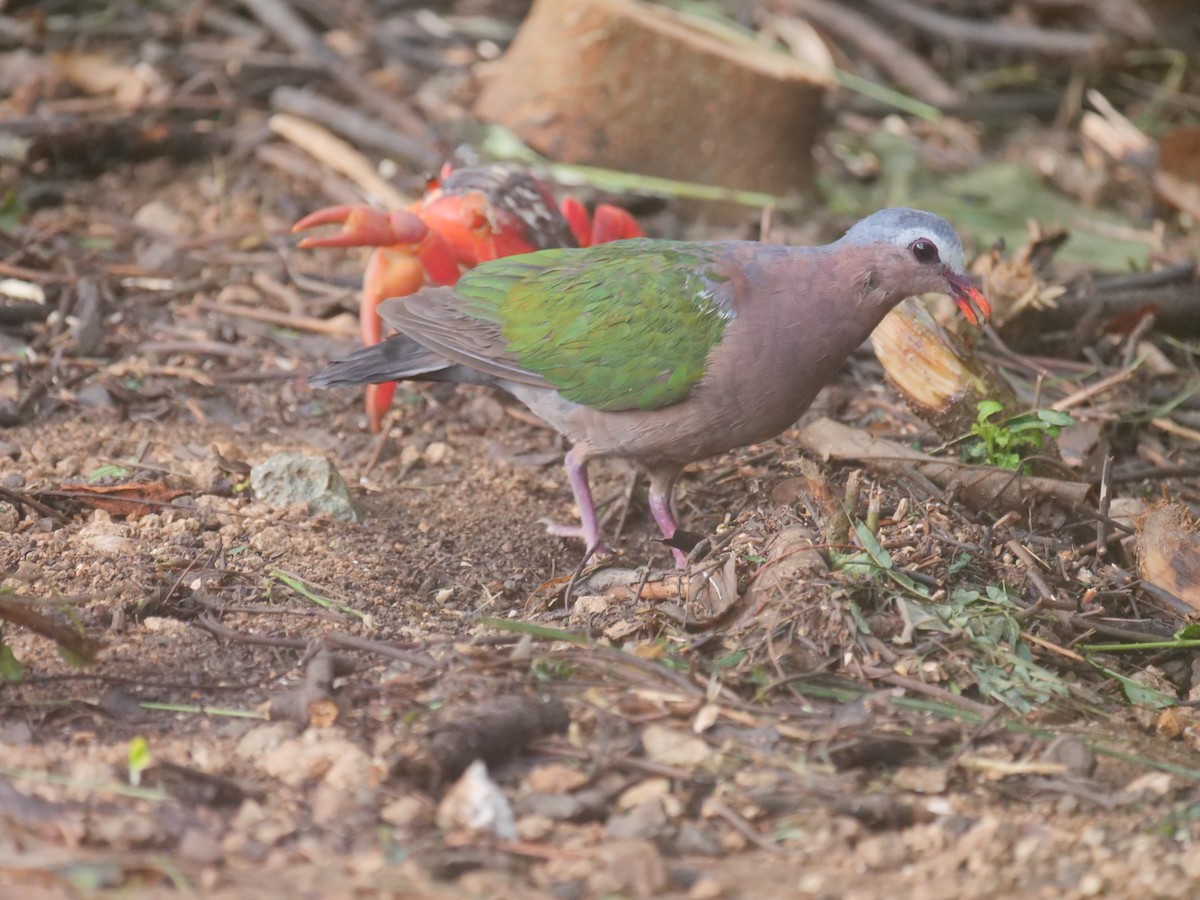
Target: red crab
467 216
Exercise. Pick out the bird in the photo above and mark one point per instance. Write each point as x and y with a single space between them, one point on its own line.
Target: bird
665 352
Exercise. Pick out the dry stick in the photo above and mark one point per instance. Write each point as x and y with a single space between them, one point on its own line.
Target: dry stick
907 70
20 498
289 28
1181 608
1172 427
920 687
1135 338
1047 596
35 275
340 156
742 827
1023 38
351 124
1087 393
1174 291
351 642
1103 503
210 624
331 327
297 164
1158 473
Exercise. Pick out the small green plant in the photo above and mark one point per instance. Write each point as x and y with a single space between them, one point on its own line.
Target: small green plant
1004 443
11 670
139 759
548 669
982 642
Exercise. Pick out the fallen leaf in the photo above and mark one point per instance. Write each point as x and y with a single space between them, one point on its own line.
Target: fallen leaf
130 498
671 747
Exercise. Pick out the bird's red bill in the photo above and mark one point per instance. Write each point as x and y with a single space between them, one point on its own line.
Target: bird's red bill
975 307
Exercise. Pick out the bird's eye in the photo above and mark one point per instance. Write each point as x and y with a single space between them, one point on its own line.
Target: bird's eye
924 251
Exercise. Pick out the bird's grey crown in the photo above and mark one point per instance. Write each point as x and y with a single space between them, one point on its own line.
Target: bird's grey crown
901 226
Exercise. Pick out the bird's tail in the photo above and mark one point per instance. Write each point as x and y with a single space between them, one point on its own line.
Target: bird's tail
395 359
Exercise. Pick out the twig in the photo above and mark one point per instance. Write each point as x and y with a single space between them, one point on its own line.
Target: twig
290 28
1021 38
379 648
930 690
1172 427
331 327
20 498
1099 387
742 827
906 68
1158 473
339 156
1103 504
1048 599
351 124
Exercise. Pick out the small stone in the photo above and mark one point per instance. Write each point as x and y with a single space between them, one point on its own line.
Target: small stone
404 811
476 803
705 888
883 851
198 846
436 453
647 789
693 840
587 606
158 215
1073 752
1091 884
1189 861
1169 724
672 747
555 779
646 820
559 807
631 868
409 455
534 828
296 478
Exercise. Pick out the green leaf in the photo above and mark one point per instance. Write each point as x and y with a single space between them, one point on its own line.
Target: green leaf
729 660
1139 694
986 409
12 211
99 474
860 621
139 759
1055 418
11 670
1188 633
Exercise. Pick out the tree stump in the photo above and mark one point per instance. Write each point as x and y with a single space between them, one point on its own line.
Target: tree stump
645 89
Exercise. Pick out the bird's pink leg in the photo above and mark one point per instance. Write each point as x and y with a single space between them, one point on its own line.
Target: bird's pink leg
662 487
588 529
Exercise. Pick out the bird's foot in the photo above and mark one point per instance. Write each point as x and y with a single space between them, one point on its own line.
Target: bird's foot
578 532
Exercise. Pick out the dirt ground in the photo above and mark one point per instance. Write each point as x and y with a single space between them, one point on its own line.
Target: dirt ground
741 736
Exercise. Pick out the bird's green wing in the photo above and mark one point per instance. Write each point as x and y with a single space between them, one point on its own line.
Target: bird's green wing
624 325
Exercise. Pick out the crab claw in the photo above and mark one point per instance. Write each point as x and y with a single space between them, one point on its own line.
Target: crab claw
578 220
974 306
362 226
611 223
